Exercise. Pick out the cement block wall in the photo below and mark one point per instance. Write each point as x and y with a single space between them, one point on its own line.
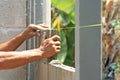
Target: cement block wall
12 22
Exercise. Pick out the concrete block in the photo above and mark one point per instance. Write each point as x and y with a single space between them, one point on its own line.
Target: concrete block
13 13
13 74
8 33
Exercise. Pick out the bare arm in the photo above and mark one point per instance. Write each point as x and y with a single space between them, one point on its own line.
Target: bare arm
12 59
12 44
15 42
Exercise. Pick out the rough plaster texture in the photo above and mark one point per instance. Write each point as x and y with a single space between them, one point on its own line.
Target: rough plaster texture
12 13
13 74
8 33
12 22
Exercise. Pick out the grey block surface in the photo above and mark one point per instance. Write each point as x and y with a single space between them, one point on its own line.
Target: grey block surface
88 50
13 13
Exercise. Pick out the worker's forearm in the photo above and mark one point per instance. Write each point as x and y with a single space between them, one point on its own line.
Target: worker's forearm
10 60
12 44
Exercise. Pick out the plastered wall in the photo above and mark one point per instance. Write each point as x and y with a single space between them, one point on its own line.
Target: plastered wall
88 40
12 22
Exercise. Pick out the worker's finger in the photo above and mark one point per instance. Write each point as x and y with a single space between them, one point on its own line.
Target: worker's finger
34 27
44 36
55 38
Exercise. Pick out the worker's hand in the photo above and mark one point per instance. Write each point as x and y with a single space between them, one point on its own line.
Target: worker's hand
33 30
50 47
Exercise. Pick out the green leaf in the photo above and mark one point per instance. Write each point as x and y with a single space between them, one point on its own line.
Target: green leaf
64 10
64 5
70 51
72 17
62 55
113 22
117 27
65 19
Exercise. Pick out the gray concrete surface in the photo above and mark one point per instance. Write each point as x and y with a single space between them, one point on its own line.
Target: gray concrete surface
12 22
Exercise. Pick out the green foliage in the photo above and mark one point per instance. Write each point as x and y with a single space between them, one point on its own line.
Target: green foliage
115 23
62 56
64 5
63 15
